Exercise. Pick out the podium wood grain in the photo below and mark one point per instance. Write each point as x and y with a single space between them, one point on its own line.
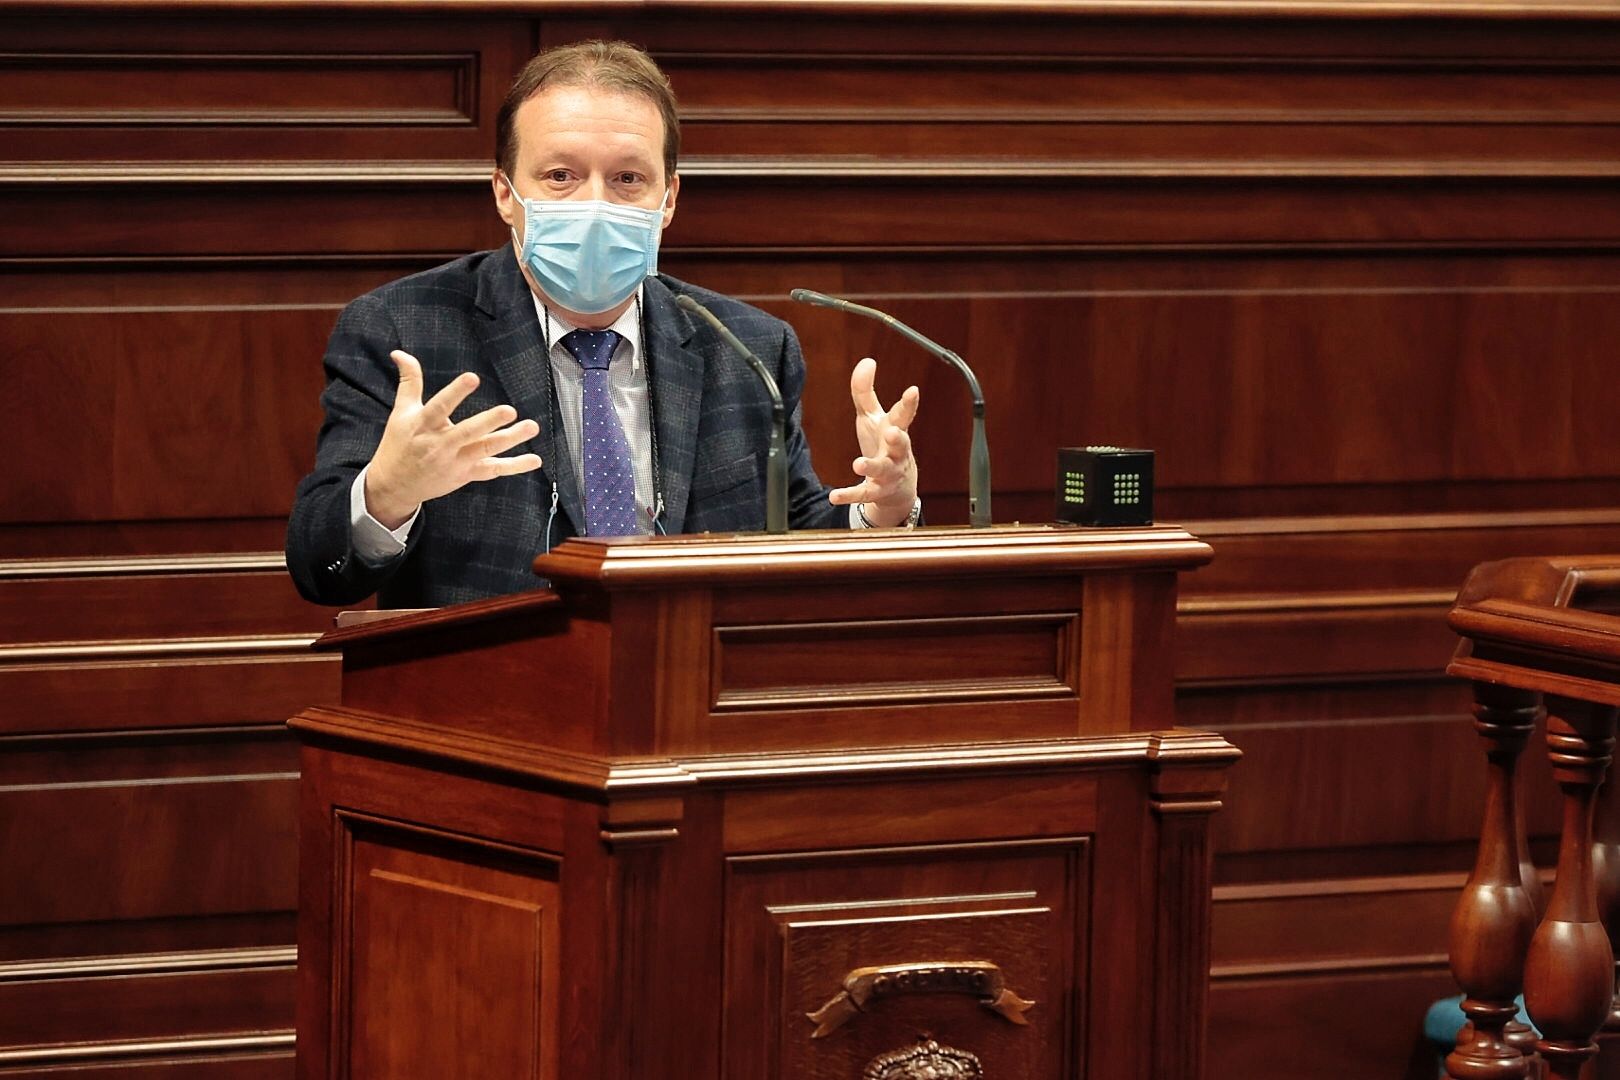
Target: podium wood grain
644 825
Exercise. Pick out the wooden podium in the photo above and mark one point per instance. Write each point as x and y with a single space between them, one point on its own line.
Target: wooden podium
828 806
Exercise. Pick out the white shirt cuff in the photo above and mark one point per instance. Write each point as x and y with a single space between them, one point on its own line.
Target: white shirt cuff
374 541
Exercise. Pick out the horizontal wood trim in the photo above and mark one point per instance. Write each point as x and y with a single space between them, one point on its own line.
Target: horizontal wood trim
135 1049
1408 559
229 1066
1276 929
848 694
1271 890
1372 523
156 614
237 173
179 87
740 217
1370 965
150 964
66 1011
698 256
156 648
1393 599
967 658
981 809
234 118
808 559
146 937
146 783
146 688
477 173
1240 706
1180 10
1168 750
1227 117
214 563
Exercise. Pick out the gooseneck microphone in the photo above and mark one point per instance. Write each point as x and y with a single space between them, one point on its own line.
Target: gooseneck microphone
776 459
979 453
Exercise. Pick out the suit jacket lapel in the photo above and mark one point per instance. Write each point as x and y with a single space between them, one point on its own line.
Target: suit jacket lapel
513 348
676 379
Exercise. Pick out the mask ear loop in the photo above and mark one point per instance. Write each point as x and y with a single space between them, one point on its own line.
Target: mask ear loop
523 204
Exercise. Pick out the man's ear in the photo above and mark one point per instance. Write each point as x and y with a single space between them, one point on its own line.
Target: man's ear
674 194
506 204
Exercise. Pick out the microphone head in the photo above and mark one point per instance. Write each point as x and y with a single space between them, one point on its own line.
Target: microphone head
687 303
808 296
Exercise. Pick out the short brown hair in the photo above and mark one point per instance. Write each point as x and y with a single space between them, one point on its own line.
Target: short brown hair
617 66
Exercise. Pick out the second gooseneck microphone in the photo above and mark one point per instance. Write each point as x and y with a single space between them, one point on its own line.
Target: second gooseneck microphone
776 460
979 452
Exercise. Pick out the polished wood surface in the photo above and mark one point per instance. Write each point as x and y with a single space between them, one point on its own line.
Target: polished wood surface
1529 642
850 871
1349 267
1496 917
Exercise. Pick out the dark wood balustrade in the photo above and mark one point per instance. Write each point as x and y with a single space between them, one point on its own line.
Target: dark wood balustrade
1541 636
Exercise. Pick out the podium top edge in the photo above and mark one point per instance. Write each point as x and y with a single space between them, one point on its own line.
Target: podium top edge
806 557
384 624
809 558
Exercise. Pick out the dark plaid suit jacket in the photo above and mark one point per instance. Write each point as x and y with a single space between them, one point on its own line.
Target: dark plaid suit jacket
711 416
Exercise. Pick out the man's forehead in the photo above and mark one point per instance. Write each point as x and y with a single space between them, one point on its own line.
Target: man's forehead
590 114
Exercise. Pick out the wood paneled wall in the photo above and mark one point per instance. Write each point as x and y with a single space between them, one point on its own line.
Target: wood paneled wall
1350 269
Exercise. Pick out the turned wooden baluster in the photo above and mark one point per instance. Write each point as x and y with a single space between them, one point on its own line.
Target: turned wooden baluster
1517 1034
1606 870
1496 915
1569 971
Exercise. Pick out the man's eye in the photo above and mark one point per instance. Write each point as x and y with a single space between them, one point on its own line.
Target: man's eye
558 176
629 178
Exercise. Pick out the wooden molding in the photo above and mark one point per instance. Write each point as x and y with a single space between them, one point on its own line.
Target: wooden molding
268 1042
833 556
1306 10
150 964
1167 749
1349 966
155 649
1440 599
476 173
166 173
1340 887
1357 523
115 565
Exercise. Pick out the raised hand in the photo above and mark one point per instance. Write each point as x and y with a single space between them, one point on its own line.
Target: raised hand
423 455
889 487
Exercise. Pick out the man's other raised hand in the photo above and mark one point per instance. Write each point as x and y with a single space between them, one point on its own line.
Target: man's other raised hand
424 455
886 464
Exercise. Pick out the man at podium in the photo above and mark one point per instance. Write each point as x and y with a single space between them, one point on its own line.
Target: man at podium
481 412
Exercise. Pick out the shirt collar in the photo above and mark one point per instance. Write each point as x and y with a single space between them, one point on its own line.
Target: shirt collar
626 326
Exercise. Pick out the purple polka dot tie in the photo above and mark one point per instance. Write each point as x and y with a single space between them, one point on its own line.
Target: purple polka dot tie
610 482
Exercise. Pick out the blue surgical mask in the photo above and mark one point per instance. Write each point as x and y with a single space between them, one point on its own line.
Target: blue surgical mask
589 256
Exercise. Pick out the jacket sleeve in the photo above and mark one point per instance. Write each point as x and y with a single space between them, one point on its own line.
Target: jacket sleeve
361 382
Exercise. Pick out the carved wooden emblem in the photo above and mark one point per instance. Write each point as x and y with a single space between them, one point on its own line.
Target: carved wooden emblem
976 978
926 1061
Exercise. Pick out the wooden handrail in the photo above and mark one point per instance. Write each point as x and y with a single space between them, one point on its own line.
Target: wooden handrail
1565 582
1594 636
1531 642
